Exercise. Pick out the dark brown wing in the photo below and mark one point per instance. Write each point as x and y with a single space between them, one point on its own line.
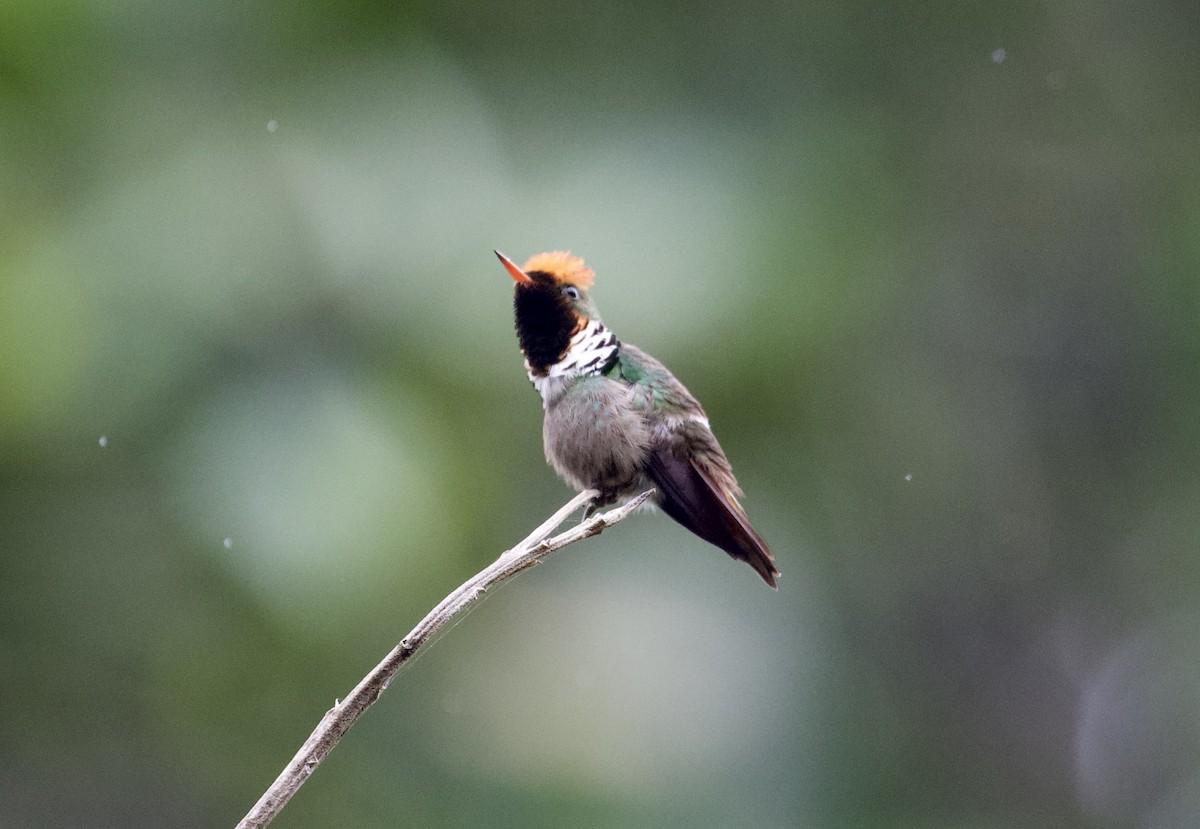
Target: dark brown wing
692 498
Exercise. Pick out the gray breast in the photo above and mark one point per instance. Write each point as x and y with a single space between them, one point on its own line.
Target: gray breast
594 437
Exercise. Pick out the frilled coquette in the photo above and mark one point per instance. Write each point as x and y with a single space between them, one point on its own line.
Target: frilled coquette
616 420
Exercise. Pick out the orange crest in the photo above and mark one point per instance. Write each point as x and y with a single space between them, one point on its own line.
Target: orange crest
564 266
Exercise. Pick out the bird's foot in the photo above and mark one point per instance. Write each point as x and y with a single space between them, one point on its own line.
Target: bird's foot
598 503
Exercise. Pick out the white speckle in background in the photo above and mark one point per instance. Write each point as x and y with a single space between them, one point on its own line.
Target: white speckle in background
272 125
228 543
103 441
908 477
998 56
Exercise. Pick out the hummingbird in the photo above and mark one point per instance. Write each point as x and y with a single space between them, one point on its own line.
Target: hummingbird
616 420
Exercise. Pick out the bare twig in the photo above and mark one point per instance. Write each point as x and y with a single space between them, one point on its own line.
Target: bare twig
337 720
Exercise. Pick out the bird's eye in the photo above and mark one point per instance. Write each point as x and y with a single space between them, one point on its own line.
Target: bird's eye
571 291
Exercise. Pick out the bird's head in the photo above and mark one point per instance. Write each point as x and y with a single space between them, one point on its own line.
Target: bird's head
551 304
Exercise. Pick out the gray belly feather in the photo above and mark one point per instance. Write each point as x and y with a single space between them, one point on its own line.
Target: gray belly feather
594 436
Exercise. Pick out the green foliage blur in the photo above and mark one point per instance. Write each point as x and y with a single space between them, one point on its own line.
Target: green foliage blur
934 271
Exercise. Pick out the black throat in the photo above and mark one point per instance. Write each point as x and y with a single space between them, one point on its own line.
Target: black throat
545 321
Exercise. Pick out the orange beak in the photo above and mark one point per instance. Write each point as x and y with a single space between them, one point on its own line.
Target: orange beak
511 266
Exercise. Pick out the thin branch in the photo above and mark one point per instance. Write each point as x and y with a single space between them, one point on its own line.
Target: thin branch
337 720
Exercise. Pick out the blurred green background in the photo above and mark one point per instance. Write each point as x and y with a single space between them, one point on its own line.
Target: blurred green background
934 271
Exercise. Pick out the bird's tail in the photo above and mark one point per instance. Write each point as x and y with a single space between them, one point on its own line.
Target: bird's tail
693 499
